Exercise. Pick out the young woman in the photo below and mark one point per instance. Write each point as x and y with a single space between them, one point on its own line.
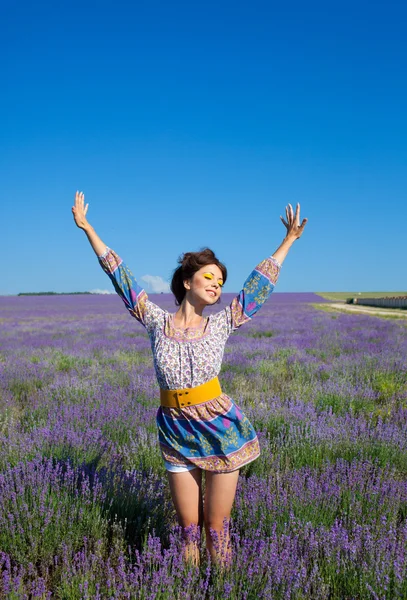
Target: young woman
200 428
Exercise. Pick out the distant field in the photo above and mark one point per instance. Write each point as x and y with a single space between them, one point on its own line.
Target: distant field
343 295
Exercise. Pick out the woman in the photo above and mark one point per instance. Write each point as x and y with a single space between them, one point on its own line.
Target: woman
199 427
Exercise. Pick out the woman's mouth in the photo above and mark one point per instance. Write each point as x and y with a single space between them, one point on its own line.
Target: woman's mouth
211 293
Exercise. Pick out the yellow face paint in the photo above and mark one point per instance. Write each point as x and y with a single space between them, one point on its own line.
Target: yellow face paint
210 276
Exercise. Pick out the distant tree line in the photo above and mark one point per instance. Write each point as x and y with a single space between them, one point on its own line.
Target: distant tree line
50 293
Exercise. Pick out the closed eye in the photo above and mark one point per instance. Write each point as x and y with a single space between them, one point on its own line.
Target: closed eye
210 276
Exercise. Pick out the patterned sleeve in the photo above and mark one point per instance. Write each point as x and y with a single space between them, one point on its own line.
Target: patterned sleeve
256 289
133 295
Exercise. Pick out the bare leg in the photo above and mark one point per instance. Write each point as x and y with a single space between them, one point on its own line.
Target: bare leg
220 490
186 492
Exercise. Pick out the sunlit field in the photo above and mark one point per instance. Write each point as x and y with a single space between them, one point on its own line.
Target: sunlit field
85 508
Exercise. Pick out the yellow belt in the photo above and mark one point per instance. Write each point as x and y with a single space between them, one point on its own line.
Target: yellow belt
190 396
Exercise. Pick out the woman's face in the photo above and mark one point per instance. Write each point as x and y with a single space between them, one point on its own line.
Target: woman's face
205 285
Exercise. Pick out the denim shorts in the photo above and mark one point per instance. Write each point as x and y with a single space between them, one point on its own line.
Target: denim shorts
178 469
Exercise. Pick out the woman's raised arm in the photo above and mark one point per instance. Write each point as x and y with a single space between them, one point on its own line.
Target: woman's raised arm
294 231
262 280
133 295
79 214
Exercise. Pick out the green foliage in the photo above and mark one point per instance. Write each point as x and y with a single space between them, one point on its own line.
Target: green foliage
261 334
23 389
389 384
313 454
133 510
66 363
41 518
131 359
32 418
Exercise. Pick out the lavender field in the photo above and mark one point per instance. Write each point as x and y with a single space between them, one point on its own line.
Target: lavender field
85 507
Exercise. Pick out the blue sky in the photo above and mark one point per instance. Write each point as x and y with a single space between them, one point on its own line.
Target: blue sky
193 124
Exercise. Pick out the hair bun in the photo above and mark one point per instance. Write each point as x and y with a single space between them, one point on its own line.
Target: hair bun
190 262
184 258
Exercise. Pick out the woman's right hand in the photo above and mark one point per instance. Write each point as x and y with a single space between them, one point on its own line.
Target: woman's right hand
79 210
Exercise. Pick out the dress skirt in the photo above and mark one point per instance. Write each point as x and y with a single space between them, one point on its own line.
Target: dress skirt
214 436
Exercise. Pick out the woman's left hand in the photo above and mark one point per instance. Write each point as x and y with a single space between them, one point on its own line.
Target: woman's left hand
294 229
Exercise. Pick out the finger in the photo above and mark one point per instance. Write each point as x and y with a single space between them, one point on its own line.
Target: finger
297 214
304 221
287 213
283 221
86 208
291 212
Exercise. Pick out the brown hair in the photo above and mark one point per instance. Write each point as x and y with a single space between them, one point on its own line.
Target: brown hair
190 263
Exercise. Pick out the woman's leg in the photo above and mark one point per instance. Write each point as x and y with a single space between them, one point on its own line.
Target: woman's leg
220 490
186 492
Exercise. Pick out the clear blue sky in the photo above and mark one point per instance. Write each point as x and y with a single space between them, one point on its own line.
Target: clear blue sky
189 124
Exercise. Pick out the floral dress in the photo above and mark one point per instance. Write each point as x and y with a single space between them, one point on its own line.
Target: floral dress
215 435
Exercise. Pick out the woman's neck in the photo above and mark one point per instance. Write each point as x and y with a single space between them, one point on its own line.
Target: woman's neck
188 315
